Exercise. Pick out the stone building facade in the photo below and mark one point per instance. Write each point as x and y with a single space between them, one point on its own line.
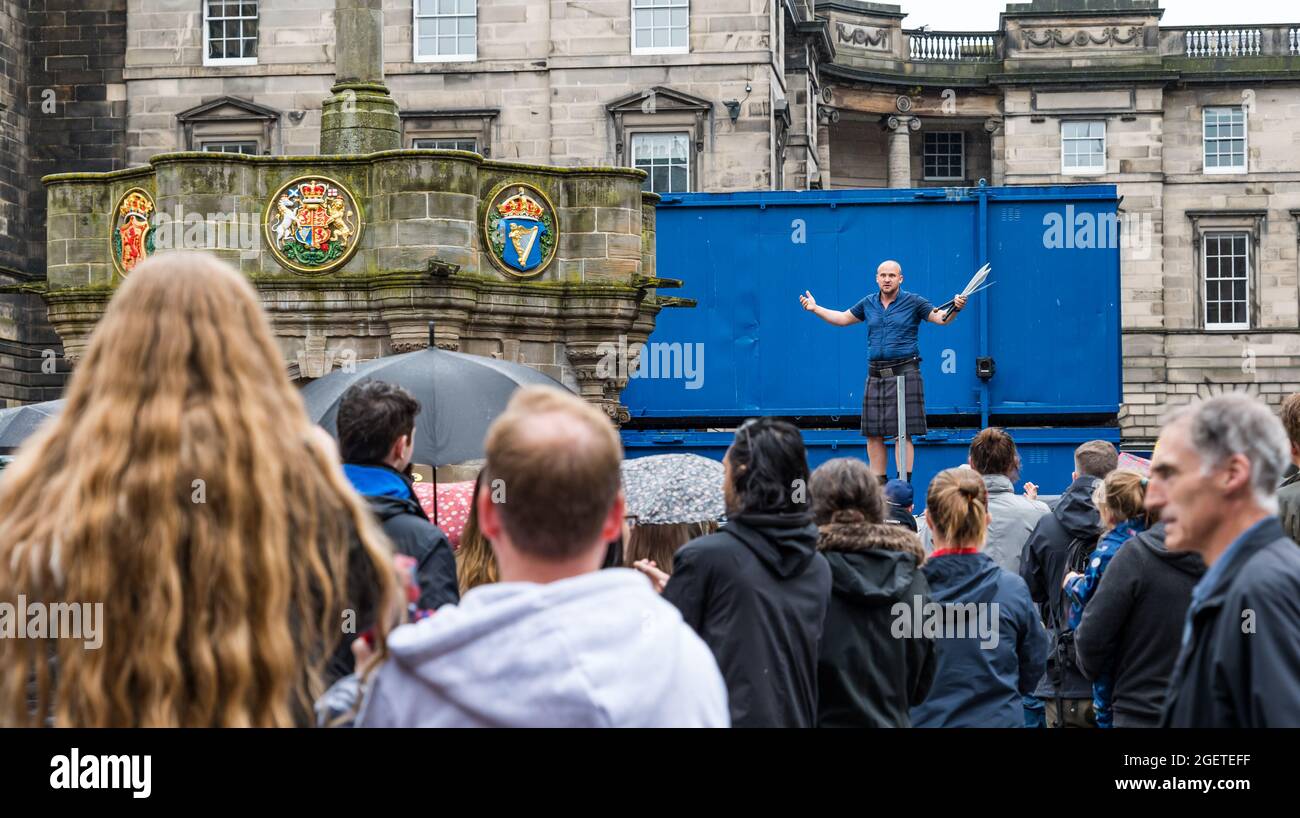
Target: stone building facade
1197 126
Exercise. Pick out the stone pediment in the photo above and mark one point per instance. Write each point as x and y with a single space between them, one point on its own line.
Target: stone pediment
228 109
662 99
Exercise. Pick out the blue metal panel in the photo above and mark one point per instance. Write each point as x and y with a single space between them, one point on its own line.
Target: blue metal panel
1046 454
1051 321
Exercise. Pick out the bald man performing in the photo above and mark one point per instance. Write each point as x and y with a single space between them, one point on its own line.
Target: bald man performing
892 317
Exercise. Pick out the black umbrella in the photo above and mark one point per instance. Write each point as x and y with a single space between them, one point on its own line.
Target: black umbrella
459 394
18 424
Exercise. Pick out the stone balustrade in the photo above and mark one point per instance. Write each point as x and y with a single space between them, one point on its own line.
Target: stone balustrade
954 46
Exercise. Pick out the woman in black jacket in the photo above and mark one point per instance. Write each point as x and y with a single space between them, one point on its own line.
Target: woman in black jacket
756 591
866 677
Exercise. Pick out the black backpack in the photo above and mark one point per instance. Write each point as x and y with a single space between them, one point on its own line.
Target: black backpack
1076 560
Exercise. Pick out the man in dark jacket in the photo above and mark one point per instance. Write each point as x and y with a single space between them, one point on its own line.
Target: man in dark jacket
376 424
1133 624
1073 525
1214 473
1288 494
757 590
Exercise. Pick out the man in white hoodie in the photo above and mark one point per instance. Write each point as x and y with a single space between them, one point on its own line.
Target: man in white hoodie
557 642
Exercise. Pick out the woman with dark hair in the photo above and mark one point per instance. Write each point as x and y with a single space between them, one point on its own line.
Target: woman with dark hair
757 590
867 676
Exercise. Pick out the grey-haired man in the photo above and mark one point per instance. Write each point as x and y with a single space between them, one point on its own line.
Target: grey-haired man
1214 475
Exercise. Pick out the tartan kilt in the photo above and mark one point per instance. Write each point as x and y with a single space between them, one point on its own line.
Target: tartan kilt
880 405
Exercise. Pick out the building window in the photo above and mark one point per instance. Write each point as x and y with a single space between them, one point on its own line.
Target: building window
446 30
666 158
1225 140
450 144
1226 259
229 32
943 155
1083 147
249 148
661 26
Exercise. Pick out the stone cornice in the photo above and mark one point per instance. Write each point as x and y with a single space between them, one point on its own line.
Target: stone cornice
205 158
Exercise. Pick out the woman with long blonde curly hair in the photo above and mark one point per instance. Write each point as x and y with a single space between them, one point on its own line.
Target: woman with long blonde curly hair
184 488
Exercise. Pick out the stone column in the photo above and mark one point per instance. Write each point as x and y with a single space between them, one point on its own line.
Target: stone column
900 149
997 149
360 116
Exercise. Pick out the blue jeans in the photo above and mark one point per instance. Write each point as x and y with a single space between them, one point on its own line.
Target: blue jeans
1035 712
1103 690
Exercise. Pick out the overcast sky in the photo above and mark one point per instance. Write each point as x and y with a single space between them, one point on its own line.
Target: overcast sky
982 15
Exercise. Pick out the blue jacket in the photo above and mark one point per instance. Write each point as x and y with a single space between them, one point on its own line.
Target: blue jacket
1082 588
977 684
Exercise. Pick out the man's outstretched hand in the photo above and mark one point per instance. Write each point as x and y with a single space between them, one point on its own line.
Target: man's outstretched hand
959 301
809 303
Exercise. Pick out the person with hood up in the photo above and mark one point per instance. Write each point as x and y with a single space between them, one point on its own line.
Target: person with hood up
1072 528
1119 501
866 676
556 642
757 590
1133 625
376 432
991 646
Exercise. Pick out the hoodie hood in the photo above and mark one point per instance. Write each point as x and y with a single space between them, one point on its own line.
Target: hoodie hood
962 578
1075 511
998 484
783 543
377 481
872 564
598 649
1153 540
386 508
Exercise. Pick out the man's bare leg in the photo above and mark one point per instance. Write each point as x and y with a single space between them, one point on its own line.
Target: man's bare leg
876 455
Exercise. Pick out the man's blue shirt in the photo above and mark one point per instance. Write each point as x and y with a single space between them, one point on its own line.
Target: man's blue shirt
891 333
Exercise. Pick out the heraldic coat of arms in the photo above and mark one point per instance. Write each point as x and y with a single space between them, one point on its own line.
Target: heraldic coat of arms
313 224
132 237
520 226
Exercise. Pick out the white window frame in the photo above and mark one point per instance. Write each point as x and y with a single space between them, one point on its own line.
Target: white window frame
961 154
1088 171
208 60
472 140
1245 140
208 145
632 138
1205 280
671 49
416 56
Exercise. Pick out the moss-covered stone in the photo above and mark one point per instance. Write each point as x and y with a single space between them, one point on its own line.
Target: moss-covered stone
420 254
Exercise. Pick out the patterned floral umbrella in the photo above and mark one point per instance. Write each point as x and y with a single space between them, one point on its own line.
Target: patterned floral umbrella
673 488
452 508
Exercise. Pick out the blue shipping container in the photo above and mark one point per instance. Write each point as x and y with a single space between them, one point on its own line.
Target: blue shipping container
1051 321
